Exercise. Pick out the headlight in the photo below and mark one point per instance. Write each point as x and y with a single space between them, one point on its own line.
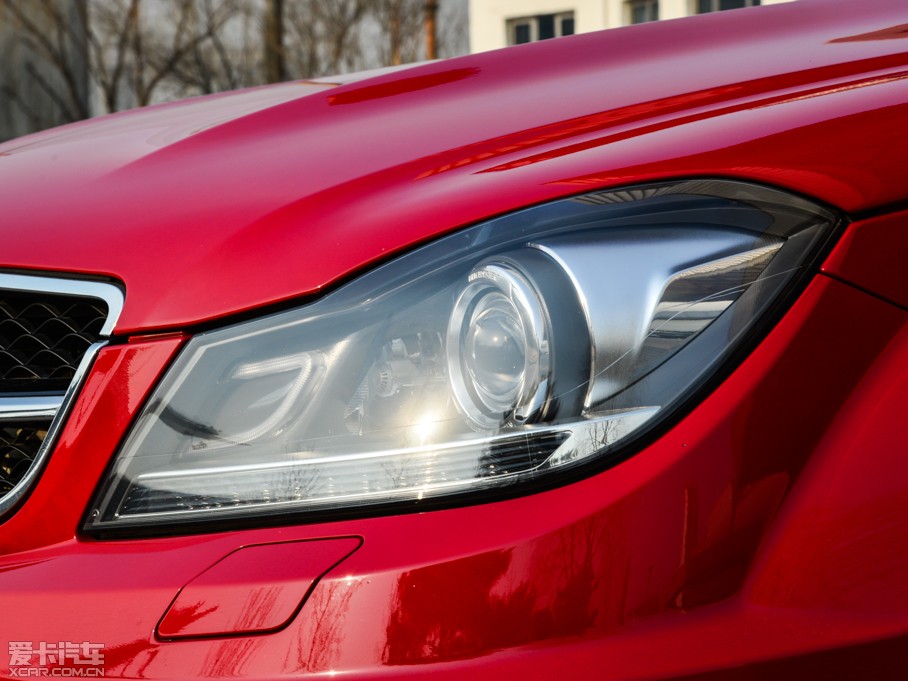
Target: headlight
506 353
498 347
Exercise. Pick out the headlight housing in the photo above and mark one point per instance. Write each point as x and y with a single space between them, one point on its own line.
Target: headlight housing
506 353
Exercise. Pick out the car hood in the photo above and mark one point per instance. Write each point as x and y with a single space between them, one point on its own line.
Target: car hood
223 204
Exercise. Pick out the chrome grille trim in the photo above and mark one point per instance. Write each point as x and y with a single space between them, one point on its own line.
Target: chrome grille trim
53 406
29 407
17 493
110 294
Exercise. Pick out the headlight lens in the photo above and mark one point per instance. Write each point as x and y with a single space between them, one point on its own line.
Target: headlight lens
497 347
505 353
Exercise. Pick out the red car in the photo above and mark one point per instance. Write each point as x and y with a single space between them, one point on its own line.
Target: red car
586 358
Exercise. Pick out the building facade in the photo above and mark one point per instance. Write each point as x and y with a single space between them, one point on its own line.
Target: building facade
498 23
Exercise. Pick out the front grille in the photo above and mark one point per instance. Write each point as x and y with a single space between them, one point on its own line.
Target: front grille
19 445
43 337
48 327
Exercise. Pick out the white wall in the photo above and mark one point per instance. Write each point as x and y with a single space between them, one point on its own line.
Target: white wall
488 18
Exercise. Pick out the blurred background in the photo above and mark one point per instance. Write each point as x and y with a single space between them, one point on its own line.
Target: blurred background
65 60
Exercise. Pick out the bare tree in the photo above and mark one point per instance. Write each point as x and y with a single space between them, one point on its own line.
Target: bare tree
230 58
63 56
326 37
111 29
401 23
431 28
54 34
273 30
137 47
453 29
126 48
156 48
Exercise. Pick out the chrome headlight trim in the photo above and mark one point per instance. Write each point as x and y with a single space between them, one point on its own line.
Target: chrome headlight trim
498 288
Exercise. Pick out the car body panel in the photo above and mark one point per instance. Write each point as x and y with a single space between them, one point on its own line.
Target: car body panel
256 589
181 202
860 259
114 389
713 545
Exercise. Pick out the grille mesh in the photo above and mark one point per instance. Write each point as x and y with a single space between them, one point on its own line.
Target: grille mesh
43 337
19 445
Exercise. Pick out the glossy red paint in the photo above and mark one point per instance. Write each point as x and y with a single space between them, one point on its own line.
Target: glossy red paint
255 589
113 392
762 535
703 547
859 258
239 181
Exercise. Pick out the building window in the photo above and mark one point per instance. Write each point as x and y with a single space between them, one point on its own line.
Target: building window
541 27
704 6
641 11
